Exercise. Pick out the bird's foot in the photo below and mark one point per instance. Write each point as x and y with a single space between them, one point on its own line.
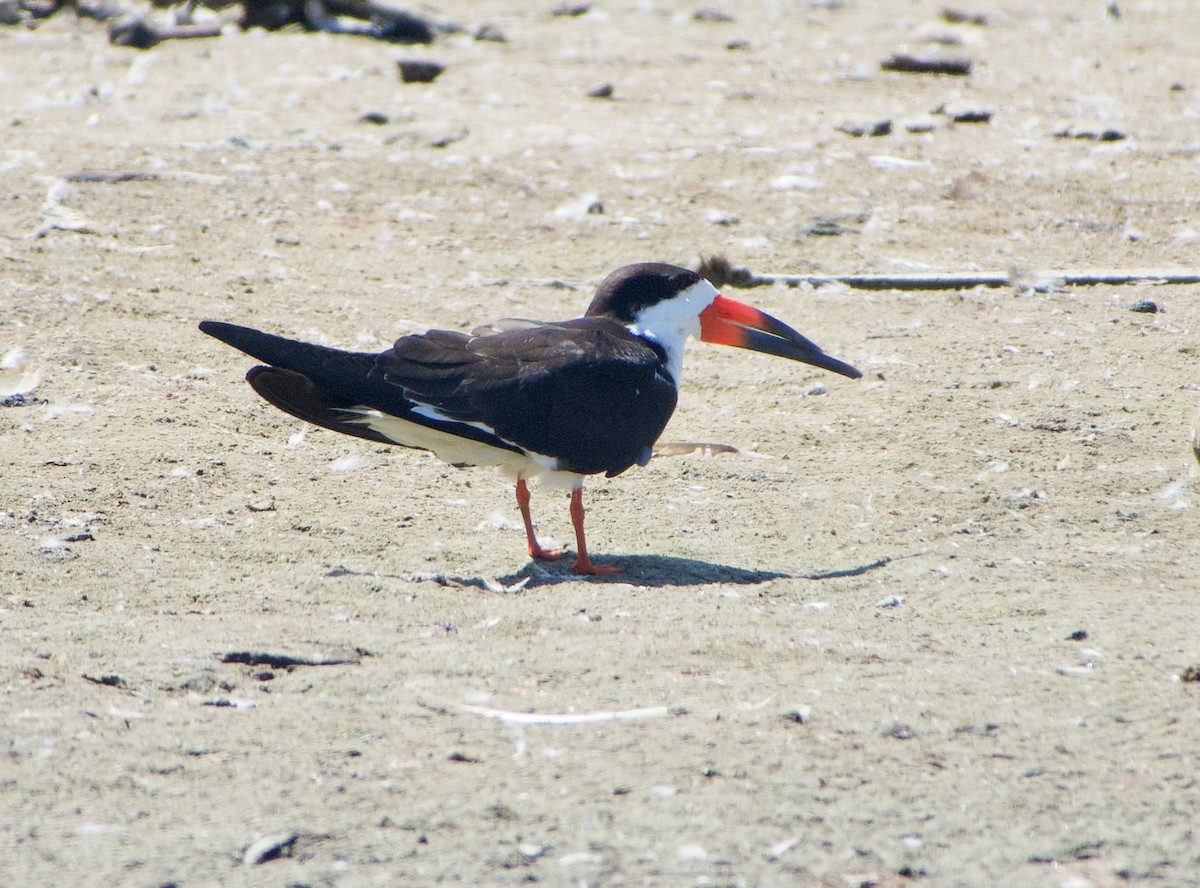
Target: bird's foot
539 553
585 565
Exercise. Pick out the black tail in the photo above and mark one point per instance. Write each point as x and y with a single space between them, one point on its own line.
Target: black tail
311 382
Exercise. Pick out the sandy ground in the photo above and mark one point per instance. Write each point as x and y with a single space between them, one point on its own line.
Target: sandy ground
930 627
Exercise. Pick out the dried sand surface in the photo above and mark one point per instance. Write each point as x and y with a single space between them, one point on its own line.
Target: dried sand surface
931 627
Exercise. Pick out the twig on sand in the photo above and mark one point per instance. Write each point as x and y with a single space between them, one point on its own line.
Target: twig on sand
685 448
543 718
720 272
911 64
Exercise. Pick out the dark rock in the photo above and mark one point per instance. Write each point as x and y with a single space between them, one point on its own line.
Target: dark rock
711 14
419 70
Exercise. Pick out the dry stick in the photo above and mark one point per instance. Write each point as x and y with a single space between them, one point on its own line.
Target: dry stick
968 280
911 64
542 718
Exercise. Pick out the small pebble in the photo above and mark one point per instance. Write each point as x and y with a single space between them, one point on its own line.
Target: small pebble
711 14
858 129
1145 306
419 70
490 33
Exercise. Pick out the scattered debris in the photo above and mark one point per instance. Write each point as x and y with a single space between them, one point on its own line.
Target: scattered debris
961 17
139 30
288 661
1078 635
800 715
890 162
111 178
490 33
109 681
910 64
419 70
580 208
920 125
18 380
228 703
963 114
891 601
56 217
1081 669
143 33
268 848
711 14
21 400
684 448
825 226
545 718
1093 132
434 134
871 128
721 272
376 117
495 586
571 9
781 848
601 91
1192 673
972 186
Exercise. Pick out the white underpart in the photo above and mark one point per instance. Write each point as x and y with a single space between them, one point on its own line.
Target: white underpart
673 321
450 448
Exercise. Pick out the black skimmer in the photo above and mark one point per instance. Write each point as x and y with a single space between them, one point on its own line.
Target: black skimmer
556 400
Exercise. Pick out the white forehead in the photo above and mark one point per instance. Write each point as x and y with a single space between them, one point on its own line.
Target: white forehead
672 321
681 311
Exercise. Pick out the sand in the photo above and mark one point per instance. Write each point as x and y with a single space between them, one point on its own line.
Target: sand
929 627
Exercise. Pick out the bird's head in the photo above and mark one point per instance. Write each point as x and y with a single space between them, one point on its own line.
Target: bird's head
668 304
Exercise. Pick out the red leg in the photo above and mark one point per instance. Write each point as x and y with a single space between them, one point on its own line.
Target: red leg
583 564
535 548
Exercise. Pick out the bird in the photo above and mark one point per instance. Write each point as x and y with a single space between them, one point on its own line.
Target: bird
554 401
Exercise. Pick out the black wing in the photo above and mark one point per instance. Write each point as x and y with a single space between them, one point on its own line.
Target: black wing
586 392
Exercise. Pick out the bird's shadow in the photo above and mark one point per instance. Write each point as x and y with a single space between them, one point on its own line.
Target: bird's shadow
637 570
642 570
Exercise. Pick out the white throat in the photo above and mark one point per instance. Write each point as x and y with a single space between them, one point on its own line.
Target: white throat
672 321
